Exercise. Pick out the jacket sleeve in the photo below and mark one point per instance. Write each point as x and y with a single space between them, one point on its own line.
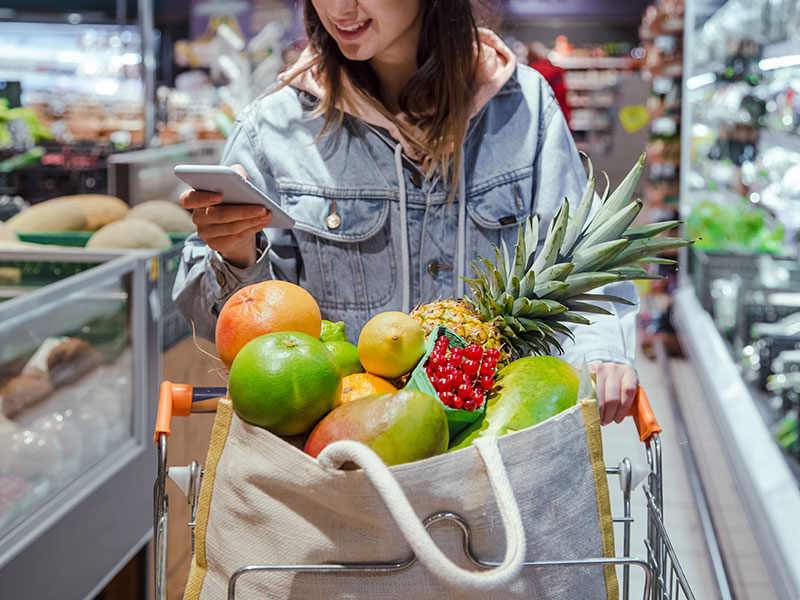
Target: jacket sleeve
559 173
205 280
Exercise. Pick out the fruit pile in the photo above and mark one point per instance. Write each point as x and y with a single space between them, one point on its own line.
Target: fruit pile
461 376
291 372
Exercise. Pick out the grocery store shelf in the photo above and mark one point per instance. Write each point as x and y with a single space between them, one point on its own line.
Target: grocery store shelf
780 139
592 85
768 489
580 63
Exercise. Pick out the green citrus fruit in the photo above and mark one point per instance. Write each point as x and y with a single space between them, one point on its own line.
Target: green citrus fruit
332 332
284 382
347 356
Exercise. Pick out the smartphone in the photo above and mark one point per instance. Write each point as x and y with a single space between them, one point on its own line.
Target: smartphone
234 188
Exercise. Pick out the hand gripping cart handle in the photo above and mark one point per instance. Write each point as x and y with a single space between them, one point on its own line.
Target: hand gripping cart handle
663 575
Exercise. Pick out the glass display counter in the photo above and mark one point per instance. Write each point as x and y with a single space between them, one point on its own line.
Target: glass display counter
79 369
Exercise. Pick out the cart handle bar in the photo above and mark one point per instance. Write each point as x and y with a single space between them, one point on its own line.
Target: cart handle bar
643 416
181 400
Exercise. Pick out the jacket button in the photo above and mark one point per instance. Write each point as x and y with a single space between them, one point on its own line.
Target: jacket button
416 179
434 267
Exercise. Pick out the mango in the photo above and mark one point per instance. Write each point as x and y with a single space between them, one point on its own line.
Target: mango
527 391
400 427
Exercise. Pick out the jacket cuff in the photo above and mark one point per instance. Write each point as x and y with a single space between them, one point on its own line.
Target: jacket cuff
230 278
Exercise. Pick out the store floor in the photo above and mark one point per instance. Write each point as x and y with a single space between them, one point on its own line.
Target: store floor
746 573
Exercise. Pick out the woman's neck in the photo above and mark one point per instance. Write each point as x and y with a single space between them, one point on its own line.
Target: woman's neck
397 64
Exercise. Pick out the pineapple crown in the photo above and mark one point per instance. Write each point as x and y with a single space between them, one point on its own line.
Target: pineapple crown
532 298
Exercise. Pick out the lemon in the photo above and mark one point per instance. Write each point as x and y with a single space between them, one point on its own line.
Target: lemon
391 344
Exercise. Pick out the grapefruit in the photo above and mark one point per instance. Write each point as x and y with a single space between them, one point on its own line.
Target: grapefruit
346 355
284 382
263 308
361 385
391 344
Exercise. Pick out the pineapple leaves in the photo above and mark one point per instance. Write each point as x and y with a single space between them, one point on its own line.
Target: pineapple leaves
611 228
650 230
555 237
557 272
619 198
632 272
550 288
596 257
578 220
583 282
643 248
524 307
571 317
587 308
601 298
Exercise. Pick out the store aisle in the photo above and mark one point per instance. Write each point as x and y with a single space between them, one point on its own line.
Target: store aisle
680 513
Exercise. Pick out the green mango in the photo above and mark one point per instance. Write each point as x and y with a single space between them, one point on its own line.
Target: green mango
400 427
527 391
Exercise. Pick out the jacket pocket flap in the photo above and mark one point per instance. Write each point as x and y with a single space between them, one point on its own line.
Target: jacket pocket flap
498 207
340 218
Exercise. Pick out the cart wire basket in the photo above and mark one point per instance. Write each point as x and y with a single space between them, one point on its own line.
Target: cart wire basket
664 578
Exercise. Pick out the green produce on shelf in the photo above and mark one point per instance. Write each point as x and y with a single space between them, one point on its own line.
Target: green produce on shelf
739 228
786 433
38 131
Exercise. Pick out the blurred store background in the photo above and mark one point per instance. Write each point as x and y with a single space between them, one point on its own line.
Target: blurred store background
104 97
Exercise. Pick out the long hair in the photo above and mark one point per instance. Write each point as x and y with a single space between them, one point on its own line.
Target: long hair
438 98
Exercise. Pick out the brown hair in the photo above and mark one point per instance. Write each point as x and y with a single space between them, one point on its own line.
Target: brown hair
437 99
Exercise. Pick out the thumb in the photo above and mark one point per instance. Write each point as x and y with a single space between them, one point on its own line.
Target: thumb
240 170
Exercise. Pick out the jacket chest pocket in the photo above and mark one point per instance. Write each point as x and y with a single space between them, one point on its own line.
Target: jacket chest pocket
348 259
495 214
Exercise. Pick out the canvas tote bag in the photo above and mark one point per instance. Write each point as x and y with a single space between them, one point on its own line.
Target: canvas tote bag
536 494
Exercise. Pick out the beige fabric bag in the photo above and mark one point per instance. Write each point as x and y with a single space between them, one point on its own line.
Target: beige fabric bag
265 502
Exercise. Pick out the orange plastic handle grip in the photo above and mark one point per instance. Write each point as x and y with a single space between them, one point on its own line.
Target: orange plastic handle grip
174 399
643 416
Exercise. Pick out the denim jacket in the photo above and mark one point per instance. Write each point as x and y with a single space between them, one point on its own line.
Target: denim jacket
374 234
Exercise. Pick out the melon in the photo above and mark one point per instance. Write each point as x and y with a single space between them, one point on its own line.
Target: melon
46 217
132 234
100 209
167 215
7 234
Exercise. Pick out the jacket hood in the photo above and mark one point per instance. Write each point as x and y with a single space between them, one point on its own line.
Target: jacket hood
495 67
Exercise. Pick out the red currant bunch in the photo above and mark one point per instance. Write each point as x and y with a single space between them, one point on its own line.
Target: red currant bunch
461 376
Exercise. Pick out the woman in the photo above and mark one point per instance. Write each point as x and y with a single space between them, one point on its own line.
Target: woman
404 142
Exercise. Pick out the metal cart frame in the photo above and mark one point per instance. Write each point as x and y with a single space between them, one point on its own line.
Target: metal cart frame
664 577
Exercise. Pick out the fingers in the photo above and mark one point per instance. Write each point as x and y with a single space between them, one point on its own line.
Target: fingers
616 390
629 385
233 242
230 213
240 169
191 199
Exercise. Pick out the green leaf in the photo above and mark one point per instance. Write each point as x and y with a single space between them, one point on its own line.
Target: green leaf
602 298
612 226
549 288
587 308
571 317
650 230
643 248
579 283
593 258
555 237
558 272
578 220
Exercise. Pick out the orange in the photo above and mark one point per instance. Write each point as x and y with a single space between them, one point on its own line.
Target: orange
263 308
284 382
360 385
391 344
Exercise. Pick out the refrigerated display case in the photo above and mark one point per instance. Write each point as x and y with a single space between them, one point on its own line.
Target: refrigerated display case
738 306
79 362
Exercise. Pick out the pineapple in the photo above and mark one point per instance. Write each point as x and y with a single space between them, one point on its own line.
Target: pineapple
521 306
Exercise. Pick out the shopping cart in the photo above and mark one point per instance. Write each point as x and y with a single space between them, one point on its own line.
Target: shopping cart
663 575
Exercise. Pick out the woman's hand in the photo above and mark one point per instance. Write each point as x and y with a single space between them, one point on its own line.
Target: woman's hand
616 390
229 229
